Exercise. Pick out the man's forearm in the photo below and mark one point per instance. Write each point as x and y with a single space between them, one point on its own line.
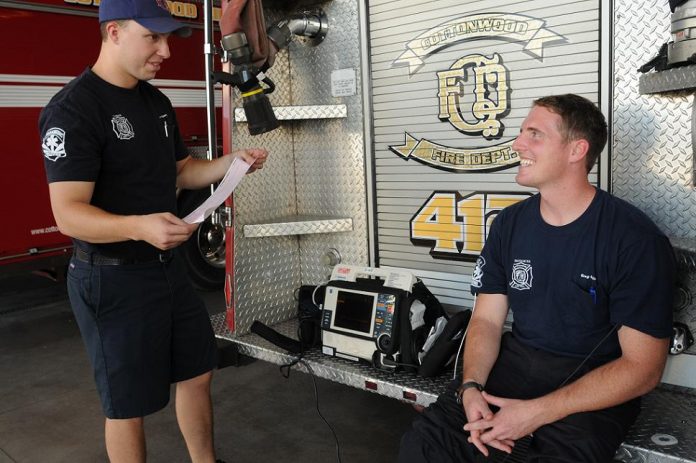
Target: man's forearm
481 351
94 225
611 384
200 173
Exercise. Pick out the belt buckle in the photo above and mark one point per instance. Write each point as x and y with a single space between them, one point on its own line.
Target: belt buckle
165 256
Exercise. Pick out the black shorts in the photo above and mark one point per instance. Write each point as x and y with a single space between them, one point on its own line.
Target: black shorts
521 372
144 328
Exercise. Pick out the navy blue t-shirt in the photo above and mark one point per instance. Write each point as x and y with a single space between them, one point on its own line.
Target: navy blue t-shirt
127 141
567 286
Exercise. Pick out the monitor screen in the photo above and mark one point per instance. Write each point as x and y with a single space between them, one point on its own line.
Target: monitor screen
354 311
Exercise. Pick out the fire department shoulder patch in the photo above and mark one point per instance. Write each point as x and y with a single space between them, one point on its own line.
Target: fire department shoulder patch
53 144
122 127
478 272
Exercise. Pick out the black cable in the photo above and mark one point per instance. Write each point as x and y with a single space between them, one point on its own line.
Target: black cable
285 371
393 363
587 357
316 396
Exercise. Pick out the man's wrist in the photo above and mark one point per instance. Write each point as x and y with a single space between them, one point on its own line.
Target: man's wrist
465 386
132 227
470 385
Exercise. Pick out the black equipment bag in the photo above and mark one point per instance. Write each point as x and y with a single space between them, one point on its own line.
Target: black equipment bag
309 302
411 343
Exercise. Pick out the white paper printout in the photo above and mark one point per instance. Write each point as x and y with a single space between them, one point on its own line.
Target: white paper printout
234 175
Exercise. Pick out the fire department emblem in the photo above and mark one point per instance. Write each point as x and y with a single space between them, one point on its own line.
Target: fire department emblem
122 127
490 95
474 94
53 144
478 272
521 275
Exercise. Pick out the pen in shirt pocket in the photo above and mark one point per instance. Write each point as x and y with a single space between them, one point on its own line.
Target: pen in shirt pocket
166 128
593 293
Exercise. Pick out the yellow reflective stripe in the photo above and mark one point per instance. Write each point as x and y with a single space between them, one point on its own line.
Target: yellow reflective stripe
253 92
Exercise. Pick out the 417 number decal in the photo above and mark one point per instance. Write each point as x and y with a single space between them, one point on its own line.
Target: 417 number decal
455 227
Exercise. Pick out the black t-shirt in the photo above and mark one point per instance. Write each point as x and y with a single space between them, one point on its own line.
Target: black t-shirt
568 286
127 141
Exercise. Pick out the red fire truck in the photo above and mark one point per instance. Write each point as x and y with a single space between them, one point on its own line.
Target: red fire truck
48 42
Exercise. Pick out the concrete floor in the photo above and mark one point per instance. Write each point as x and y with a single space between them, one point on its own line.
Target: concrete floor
49 410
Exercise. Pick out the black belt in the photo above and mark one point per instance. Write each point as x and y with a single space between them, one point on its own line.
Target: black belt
98 259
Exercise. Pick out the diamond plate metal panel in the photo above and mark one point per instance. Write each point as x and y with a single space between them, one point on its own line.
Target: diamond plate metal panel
632 454
651 134
300 225
266 270
354 374
671 80
331 169
315 167
652 159
665 427
286 113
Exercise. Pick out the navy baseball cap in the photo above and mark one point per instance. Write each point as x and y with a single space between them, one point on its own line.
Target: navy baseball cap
151 14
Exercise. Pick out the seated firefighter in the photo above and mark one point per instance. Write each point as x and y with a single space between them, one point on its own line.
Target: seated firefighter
589 279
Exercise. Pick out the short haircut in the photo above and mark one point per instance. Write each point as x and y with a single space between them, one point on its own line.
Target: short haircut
580 119
102 26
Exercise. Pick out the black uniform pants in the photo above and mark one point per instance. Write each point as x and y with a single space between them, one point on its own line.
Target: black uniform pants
521 372
144 328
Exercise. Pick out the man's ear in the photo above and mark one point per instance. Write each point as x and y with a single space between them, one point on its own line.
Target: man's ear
580 148
113 29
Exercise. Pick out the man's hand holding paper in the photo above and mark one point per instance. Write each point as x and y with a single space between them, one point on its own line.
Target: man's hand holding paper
243 161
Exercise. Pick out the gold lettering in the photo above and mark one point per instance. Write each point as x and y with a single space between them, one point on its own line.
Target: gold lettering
443 155
177 9
498 25
490 91
182 9
483 24
436 222
450 84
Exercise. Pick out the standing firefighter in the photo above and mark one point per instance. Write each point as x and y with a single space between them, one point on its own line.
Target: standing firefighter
114 158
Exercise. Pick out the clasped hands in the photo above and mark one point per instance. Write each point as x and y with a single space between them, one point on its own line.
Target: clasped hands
514 419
